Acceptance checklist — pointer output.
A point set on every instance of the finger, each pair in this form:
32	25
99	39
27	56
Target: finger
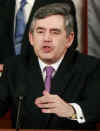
47	105
42	100
46	99
1	67
45	92
52	110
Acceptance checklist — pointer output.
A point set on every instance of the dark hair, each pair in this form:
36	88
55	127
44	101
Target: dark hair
55	9
69	8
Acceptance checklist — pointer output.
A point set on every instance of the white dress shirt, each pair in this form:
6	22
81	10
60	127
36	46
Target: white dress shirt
79	112
43	65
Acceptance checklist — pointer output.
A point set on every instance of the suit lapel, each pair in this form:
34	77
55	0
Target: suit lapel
12	7
36	80
63	75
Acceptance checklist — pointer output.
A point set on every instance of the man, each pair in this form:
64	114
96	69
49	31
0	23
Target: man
70	102
8	14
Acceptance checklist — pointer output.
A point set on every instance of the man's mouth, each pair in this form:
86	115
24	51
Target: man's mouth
47	49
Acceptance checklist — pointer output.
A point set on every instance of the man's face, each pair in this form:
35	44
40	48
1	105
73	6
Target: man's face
49	38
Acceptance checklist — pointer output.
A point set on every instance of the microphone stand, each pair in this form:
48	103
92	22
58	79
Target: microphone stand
19	112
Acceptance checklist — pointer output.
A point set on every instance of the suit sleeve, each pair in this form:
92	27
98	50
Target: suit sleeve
90	104
4	99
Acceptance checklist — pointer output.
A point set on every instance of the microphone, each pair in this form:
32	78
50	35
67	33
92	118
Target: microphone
20	94
19	112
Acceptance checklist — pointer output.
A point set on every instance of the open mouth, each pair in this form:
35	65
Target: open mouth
47	49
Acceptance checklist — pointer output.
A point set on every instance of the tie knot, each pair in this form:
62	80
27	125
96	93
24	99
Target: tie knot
23	2
49	70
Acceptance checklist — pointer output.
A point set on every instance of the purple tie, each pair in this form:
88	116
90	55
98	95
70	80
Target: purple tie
49	70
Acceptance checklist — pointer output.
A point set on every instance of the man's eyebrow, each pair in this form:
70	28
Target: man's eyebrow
52	29
40	28
56	29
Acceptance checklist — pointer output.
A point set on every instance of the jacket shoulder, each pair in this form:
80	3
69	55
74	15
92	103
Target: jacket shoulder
86	62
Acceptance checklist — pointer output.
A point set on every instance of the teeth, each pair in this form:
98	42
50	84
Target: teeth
46	47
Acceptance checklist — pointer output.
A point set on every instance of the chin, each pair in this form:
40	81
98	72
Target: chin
47	60
46	57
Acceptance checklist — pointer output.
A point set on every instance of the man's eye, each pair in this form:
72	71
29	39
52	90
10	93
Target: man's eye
40	31
56	32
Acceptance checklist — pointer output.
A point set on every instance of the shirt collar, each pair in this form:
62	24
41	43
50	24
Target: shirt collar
55	65
31	2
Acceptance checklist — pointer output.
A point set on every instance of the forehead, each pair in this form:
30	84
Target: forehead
54	21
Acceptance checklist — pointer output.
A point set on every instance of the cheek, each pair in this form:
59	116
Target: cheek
62	44
37	48
38	41
61	49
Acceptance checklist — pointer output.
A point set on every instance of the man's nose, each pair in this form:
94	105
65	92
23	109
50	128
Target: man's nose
47	36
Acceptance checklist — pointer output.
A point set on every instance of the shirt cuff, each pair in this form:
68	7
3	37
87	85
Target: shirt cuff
79	113
0	74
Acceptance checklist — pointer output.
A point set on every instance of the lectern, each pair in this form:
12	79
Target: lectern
6	122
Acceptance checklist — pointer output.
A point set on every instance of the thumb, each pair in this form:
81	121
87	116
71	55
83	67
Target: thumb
45	92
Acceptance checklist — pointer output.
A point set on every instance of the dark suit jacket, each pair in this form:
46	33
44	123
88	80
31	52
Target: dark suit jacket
76	81
6	44
7	13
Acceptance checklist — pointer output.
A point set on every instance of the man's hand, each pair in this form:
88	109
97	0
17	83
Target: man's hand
54	104
1	67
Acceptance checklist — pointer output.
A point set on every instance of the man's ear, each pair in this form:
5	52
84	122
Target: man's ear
69	39
31	38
